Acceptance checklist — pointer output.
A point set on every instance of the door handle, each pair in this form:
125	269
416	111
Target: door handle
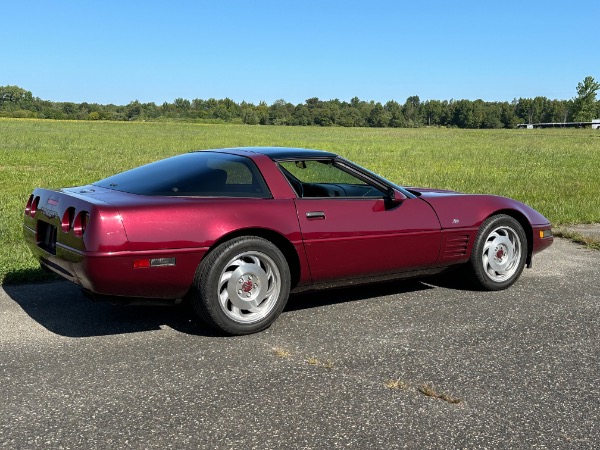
315	215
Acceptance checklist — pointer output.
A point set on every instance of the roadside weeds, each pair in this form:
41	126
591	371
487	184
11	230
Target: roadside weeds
590	242
391	384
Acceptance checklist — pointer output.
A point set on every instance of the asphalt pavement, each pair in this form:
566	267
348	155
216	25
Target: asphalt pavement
412	364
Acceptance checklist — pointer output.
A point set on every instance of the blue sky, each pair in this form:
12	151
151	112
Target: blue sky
156	51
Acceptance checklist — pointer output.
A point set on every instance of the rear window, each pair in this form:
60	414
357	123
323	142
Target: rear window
198	174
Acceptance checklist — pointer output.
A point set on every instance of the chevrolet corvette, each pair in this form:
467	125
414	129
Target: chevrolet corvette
236	230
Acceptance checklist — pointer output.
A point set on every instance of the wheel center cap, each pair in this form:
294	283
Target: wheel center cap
500	253
247	286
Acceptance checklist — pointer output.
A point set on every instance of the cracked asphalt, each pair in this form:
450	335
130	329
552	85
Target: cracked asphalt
524	363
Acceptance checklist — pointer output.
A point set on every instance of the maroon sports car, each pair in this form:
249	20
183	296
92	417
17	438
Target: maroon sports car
234	230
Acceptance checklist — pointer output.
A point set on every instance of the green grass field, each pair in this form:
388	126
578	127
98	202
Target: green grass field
557	171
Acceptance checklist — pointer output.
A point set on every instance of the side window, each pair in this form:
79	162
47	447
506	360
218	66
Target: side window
323	178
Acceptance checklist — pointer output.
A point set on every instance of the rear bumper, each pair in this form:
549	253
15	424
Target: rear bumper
113	273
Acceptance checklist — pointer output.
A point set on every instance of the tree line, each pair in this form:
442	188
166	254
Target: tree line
18	102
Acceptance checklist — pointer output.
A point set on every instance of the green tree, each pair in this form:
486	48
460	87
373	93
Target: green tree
361	111
280	112
524	110
432	111
394	109
301	115
539	110
462	116
70	109
249	115
133	111
477	114
15	96
584	105
182	105
492	116
379	117
262	111
412	111
507	115
558	111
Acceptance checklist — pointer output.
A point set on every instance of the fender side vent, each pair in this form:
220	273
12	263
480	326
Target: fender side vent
455	245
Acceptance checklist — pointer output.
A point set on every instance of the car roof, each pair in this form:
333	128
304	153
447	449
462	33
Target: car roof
281	153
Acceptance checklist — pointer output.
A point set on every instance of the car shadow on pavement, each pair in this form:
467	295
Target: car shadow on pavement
61	308
313	299
453	279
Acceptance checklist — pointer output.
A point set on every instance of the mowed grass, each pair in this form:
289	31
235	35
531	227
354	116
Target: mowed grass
555	171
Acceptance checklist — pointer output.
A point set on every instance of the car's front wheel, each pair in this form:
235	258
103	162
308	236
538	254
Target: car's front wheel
241	286
499	253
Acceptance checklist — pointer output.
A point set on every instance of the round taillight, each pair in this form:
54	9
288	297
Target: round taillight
34	206
67	220
80	223
28	206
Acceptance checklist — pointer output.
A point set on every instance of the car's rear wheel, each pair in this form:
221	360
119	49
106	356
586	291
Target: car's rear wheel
241	286
499	253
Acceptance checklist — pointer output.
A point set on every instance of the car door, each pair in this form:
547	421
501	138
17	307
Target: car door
351	230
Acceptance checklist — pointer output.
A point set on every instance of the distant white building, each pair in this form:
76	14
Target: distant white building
595	123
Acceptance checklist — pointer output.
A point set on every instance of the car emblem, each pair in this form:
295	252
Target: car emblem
455	220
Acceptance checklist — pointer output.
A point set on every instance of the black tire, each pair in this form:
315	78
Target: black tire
241	286
499	253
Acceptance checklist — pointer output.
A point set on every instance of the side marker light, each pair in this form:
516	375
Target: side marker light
154	262
141	263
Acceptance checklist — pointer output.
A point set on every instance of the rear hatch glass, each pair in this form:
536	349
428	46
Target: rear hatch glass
193	174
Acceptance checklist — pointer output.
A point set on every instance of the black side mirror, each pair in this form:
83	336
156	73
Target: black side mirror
394	198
